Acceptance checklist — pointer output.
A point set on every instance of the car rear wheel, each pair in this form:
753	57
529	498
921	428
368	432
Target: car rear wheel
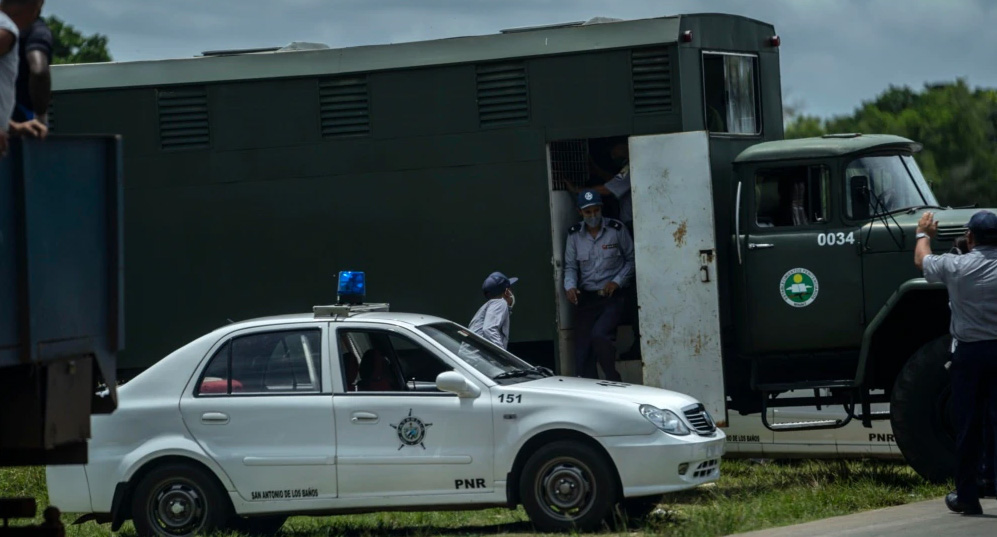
565	486
178	500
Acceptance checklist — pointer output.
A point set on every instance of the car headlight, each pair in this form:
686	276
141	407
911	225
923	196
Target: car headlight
666	420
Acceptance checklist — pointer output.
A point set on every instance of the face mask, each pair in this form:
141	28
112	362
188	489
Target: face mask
512	300
593	221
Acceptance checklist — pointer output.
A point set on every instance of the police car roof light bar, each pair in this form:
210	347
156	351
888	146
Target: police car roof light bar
352	287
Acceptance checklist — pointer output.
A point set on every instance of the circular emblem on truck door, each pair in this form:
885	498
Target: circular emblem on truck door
799	287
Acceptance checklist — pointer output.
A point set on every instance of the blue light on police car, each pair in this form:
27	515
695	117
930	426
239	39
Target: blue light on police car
352	287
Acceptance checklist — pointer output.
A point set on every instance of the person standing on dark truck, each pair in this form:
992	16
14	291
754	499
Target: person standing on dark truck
598	262
34	79
16	16
971	281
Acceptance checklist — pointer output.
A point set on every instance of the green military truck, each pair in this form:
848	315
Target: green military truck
762	265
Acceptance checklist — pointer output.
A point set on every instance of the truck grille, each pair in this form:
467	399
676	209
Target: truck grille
700	419
950	233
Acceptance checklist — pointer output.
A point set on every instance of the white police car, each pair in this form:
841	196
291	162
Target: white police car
350	409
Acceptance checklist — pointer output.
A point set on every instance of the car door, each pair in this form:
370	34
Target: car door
261	407
801	266
397	434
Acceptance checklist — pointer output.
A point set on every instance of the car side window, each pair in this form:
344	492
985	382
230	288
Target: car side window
287	361
792	196
387	362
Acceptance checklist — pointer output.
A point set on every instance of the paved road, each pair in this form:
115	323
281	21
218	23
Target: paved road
922	519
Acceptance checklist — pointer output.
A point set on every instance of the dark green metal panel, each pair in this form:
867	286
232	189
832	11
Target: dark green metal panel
255	115
599	92
423	102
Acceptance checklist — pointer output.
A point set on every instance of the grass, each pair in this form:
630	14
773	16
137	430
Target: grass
749	496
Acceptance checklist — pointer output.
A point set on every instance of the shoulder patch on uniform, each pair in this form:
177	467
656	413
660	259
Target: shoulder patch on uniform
575	228
615	224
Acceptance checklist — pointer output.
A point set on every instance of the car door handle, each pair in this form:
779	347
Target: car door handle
218	418
364	417
760	245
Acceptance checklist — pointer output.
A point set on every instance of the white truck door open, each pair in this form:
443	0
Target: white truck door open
676	266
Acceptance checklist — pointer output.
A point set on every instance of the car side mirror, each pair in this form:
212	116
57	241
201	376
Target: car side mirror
454	382
859	188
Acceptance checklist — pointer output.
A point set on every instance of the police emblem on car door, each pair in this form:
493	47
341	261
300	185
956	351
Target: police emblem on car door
392	421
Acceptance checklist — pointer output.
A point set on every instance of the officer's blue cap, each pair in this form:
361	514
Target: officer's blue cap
588	198
496	283
983	224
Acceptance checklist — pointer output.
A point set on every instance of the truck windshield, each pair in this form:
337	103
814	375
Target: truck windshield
895	183
500	365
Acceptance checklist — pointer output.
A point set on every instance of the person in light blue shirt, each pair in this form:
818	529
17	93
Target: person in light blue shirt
598	262
492	319
971	281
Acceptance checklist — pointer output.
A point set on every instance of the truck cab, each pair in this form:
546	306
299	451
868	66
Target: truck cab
813	292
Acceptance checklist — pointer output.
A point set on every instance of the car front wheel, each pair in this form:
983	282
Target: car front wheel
178	500
566	486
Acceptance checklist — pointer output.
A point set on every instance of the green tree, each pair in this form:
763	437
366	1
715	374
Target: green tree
71	46
956	124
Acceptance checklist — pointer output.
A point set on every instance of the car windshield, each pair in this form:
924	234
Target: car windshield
498	364
895	183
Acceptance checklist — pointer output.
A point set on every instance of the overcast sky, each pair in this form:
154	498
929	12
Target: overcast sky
835	53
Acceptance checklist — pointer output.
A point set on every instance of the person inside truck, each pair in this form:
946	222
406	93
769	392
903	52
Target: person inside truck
618	185
598	262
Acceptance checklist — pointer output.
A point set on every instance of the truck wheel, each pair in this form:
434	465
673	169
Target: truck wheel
921	412
177	500
567	486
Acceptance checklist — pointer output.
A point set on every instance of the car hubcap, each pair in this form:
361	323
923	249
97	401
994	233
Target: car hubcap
565	489
179	508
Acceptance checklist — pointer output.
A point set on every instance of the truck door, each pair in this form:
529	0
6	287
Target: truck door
801	269
676	267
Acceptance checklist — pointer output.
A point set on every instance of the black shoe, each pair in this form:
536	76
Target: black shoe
954	505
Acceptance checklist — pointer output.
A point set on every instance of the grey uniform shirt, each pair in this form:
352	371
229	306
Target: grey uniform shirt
619	185
492	322
590	263
971	280
8	74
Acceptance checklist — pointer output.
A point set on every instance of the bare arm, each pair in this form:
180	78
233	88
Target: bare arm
39	83
922	248
7	41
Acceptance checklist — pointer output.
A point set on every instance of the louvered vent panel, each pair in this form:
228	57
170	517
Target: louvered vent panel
183	118
344	106
651	72
503	94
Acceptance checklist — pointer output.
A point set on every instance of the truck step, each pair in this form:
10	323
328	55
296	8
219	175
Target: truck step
805	425
808	385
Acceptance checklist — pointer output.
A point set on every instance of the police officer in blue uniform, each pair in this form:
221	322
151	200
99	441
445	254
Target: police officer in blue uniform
598	262
971	281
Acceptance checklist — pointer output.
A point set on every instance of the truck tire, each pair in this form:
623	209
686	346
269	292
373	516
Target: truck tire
567	486
920	412
178	500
